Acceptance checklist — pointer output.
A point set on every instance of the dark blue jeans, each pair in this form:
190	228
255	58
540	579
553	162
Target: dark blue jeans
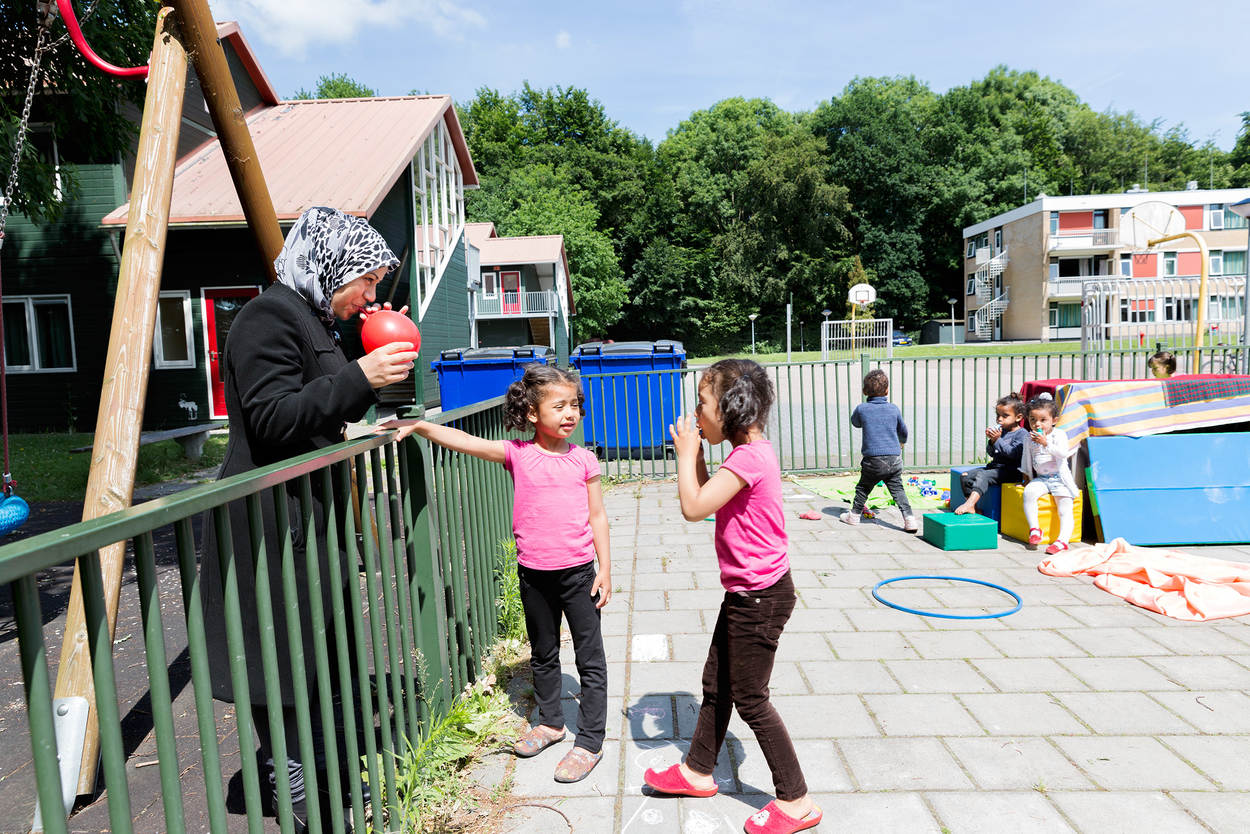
874	469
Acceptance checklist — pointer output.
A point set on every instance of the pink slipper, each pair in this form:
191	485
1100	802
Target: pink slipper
810	516
1057	547
1035	535
670	781
772	820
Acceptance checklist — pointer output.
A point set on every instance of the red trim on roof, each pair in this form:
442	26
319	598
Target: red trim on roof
230	29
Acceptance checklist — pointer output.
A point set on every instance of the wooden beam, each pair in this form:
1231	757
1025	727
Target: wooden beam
195	21
110	482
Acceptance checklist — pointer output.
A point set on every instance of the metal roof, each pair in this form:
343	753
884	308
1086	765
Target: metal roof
534	249
345	153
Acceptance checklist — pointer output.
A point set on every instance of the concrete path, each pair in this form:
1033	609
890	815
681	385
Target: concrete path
1078	713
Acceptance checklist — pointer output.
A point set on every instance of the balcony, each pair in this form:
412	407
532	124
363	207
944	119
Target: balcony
517	303
1067	287
1086	240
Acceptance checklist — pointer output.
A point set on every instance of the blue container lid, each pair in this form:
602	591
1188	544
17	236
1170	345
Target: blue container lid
633	348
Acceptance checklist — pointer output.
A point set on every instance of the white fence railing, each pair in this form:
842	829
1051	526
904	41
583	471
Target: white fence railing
1121	313
851	338
1085	239
517	303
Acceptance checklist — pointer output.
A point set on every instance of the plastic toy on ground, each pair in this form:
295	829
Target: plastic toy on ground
1014	525
960	532
1173	488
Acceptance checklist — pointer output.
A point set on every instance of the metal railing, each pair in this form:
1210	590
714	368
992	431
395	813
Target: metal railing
418	526
947	403
514	303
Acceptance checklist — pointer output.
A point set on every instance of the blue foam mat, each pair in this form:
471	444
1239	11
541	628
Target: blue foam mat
1173	488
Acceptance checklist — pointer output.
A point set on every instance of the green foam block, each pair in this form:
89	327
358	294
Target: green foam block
960	532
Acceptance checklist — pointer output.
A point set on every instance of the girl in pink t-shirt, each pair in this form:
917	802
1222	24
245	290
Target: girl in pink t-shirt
560	526
735	396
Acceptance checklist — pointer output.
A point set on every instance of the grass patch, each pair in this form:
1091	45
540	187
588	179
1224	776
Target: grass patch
46	470
432	778
511	616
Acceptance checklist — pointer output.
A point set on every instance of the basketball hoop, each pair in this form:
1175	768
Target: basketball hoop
861	295
1149	221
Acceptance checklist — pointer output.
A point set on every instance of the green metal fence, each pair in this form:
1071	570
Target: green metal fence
421	528
946	401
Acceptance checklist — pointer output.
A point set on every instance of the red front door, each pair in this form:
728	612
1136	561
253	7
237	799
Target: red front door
511	284
221	305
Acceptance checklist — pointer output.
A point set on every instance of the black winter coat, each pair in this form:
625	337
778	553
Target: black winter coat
289	390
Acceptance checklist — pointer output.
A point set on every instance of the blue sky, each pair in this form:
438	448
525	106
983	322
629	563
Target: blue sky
652	63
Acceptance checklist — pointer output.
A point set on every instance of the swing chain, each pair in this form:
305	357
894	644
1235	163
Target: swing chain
9	484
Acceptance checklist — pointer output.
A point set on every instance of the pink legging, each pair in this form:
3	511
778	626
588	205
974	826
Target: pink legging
1035	491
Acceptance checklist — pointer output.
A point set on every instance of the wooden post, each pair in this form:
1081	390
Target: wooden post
116	447
199	32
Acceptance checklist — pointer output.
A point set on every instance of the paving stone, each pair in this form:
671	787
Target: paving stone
921	715
870	645
1122	713
1114	642
938	676
1131	763
659	754
724	813
1134	812
902	764
883	619
1203	673
829	677
583	813
672	622
948	644
1021	714
650	717
649	601
1196	639
842	578
1102	616
701	600
807	619
1210	712
803	645
1034	643
646	648
883	812
647	815
818	758
836	598
659	581
691	648
569	708
656	678
787	680
805	716
1222	758
992	813
1226	813
1123	673
1000	763
1028	674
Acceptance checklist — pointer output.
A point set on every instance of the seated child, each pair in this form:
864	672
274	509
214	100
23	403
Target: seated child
1005	445
1044	468
1162	365
884	436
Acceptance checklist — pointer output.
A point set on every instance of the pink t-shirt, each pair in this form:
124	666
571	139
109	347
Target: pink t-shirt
751	527
550	504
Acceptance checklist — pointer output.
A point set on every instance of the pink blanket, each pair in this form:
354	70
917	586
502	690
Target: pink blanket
1175	584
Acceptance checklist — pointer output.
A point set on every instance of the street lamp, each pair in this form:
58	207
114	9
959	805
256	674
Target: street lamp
824	328
752	318
1242	209
802	344
952	302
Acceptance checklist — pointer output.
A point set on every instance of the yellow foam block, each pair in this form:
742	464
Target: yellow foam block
1014	525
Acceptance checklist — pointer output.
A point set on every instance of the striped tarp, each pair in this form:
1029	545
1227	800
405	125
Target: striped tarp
1140	407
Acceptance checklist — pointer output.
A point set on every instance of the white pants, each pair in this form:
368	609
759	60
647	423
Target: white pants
1036	490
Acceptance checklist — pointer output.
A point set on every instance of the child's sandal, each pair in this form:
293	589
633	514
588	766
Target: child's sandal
577	764
1057	547
538	739
671	782
772	820
1035	535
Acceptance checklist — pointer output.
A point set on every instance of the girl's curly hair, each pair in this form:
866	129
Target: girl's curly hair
1013	402
527	392
743	391
1044	402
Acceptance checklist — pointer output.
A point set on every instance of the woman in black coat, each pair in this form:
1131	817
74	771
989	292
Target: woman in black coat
289	390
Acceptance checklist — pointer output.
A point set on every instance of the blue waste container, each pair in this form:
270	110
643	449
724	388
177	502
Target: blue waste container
471	375
628	413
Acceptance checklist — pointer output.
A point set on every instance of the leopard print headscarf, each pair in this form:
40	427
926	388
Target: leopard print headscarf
324	250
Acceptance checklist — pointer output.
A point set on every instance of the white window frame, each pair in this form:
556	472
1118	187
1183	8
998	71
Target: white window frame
970	251
159	362
1054	223
1126	266
1170	261
1215	262
998	240
970	326
30	302
1053	314
490	278
1215	217
971	288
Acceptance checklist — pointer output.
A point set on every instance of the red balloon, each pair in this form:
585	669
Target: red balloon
386	326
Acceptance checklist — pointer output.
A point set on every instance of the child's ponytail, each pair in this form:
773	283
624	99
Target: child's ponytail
744	393
526	393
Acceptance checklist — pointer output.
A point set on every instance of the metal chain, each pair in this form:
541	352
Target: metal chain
23	126
52	16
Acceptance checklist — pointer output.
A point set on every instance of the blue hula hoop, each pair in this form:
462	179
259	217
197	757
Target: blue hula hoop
883	601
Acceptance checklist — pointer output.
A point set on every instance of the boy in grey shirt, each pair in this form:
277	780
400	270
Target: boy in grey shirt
882	449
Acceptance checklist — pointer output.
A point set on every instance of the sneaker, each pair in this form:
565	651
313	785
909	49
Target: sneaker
911	524
1035	535
849	517
1057	547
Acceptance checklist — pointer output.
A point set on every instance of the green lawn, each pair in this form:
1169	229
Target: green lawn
45	469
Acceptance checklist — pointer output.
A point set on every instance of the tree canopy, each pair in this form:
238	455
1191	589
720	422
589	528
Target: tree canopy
336	85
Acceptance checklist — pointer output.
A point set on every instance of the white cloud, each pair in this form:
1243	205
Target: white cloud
563	39
294	26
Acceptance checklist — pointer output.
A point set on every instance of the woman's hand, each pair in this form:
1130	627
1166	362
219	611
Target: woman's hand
685	434
603	587
388	364
368	311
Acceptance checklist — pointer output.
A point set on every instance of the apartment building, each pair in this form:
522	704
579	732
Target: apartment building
1024	269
